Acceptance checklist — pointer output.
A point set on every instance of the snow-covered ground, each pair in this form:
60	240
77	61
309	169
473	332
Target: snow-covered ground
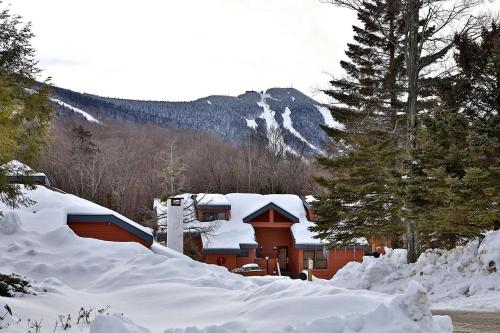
457	279
162	291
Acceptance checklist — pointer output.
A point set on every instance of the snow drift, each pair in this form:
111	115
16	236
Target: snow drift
466	277
168	292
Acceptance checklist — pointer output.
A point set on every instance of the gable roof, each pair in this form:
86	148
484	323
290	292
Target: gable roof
271	205
110	218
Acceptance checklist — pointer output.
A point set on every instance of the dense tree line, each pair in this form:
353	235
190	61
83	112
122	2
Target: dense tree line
125	166
418	157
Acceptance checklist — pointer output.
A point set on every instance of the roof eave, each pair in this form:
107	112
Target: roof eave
105	218
274	206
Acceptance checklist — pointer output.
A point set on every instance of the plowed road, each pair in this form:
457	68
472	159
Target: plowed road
473	322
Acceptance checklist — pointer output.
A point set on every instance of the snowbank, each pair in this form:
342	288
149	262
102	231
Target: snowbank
6	317
457	279
348	315
371	271
9	223
115	324
168	293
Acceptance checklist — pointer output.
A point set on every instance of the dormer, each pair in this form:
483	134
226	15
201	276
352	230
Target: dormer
270	215
212	207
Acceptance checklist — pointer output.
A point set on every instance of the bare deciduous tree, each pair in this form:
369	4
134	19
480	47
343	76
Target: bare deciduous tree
126	166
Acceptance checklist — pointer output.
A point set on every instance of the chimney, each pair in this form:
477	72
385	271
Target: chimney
175	224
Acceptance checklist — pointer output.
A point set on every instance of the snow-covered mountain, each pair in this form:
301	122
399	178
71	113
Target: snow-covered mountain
231	118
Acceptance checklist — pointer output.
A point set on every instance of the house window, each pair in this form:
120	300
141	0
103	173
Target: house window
318	257
213	216
243	253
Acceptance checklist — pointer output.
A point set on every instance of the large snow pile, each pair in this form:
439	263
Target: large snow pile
126	288
466	277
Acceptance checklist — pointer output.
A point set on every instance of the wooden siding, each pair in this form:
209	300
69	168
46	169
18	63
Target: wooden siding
337	258
264	217
230	258
280	218
104	231
271	216
268	238
272	230
263	263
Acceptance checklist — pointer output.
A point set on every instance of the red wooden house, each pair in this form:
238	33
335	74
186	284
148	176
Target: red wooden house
268	230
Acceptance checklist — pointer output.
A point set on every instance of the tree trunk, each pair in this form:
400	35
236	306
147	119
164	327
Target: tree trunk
392	65
412	63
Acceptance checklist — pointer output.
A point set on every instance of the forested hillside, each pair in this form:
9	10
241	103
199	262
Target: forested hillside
231	118
124	166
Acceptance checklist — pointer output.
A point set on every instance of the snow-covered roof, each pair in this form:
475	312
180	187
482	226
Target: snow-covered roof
47	200
244	204
17	168
212	199
235	233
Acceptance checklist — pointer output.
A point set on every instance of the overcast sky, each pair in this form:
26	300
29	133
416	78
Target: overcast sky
186	49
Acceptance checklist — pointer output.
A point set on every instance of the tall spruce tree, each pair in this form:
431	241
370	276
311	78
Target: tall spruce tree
427	40
364	154
459	150
25	112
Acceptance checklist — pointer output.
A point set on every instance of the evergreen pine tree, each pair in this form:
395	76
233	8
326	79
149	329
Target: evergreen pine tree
459	149
363	154
25	112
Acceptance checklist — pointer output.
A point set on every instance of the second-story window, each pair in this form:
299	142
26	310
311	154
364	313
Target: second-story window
213	216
